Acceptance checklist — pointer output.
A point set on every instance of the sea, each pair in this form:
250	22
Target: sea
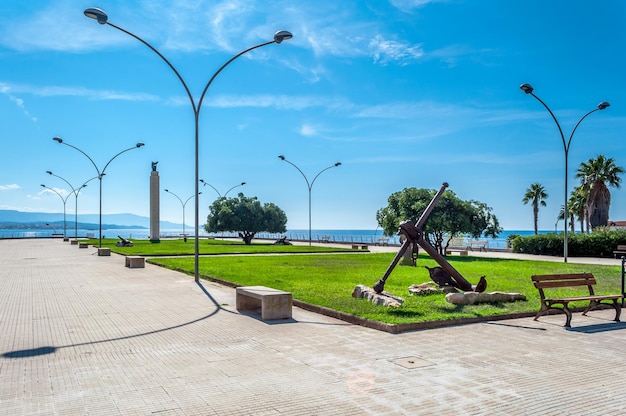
338	236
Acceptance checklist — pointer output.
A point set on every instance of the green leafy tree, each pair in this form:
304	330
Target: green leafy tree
451	217
535	195
245	216
598	174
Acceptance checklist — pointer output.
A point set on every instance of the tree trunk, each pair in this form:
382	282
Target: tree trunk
599	202
247	237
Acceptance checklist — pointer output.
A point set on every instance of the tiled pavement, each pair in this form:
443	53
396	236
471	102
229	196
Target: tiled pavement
84	335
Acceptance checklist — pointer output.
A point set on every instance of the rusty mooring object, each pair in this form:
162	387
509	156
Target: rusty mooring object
413	235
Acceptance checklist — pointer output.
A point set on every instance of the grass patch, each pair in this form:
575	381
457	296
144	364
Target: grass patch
328	281
178	247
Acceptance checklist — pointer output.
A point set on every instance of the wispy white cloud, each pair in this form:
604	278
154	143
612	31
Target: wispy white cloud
59	91
6	91
9	187
385	51
55	191
308	130
410	5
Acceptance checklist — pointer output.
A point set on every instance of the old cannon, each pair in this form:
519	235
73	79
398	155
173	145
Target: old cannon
445	274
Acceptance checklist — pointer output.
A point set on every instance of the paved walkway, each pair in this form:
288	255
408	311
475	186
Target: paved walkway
84	335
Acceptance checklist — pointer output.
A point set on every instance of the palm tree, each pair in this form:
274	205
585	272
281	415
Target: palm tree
596	175
571	217
577	205
536	195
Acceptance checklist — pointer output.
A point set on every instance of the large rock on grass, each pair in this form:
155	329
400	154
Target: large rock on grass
380	299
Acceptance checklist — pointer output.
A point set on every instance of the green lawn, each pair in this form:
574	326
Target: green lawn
177	247
328	280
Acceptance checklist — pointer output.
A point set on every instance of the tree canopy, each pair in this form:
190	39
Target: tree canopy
451	217
246	216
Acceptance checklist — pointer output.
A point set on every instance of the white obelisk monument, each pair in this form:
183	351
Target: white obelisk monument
155	213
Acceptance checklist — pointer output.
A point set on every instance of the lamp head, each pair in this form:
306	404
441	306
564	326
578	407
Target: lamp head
49	172
282	35
140	144
202	180
57	139
43	186
527	88
166	190
98	14
338	164
603	105
243	183
281	157
199	193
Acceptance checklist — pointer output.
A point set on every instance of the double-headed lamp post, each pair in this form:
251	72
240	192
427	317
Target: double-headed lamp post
75	191
309	184
64	201
528	89
183	204
101	173
103	18
204	183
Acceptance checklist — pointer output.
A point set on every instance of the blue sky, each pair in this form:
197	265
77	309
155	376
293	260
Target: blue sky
404	93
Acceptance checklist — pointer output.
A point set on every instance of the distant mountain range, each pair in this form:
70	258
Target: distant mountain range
13	219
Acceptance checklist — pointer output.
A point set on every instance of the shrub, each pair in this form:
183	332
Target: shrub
600	243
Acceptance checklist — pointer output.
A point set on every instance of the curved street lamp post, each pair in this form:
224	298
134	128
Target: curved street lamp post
64	202
102	18
75	191
528	89
309	184
183	204
101	173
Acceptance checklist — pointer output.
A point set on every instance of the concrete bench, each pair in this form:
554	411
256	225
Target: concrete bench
74	242
135	262
364	247
83	245
274	304
462	252
104	251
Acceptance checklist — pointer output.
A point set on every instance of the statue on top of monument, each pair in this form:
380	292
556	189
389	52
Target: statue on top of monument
154	166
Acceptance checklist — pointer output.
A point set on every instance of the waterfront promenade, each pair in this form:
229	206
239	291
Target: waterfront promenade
84	335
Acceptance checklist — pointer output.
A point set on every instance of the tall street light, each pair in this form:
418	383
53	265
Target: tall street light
183	204
75	191
281	35
64	202
218	192
528	89
101	173
309	184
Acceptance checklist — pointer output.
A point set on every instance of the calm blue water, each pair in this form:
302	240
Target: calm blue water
342	236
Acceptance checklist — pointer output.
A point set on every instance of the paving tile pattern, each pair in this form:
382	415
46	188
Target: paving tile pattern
84	335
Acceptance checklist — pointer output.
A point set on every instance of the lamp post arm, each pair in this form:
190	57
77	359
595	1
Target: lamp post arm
577	124
308	184
226	193
565	145
214	188
86	155
187	201
177	197
206	88
193	103
320	172
111	160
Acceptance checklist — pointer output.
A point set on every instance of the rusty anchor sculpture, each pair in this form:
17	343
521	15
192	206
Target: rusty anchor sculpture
446	275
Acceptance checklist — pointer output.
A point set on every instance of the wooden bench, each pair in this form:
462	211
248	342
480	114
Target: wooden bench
461	251
135	262
621	250
480	245
325	239
364	247
274	304
553	281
